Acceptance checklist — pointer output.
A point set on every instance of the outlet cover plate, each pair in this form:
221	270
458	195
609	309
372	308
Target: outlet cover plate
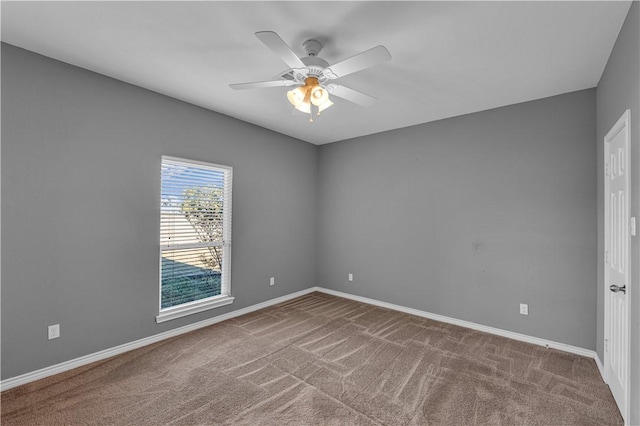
54	331
524	309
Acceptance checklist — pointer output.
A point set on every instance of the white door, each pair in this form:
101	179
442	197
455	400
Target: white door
616	357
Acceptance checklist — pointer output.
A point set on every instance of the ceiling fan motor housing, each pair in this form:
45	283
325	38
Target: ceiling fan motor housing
315	66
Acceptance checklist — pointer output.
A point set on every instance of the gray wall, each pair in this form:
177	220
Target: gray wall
80	208
469	217
618	90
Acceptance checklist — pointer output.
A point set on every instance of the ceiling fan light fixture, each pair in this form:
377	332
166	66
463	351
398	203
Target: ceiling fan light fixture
310	98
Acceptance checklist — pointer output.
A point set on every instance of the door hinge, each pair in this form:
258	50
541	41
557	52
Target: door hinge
606	345
632	226
606	169
606	256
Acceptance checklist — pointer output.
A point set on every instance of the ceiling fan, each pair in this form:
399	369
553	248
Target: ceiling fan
313	76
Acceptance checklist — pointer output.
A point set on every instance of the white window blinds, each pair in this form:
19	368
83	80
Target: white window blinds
195	231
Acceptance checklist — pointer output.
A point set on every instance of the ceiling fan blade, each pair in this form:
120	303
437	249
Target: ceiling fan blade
280	48
352	95
262	84
366	59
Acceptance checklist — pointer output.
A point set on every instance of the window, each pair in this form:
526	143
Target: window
195	237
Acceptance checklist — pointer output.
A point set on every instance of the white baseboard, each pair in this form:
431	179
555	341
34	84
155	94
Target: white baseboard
468	324
98	356
599	364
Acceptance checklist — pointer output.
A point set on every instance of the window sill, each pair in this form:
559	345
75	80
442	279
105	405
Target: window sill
193	308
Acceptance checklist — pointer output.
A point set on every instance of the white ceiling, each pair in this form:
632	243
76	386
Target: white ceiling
448	58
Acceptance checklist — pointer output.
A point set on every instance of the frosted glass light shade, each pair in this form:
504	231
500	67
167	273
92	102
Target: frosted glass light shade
296	96
319	96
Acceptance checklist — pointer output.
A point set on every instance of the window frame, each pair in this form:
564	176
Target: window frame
224	298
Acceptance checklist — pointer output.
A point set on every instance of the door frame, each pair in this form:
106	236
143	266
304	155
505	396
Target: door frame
623	124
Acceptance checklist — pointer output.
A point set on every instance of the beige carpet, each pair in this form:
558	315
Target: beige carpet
324	360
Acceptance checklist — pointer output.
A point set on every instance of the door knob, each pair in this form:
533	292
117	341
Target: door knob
614	288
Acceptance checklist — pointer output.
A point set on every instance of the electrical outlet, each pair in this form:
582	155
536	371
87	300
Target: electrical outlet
54	331
350	277
524	309
272	281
